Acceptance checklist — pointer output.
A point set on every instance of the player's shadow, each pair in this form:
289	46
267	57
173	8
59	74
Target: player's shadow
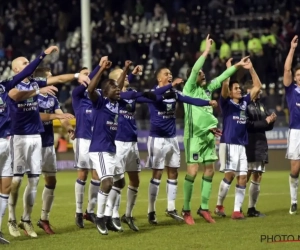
277	212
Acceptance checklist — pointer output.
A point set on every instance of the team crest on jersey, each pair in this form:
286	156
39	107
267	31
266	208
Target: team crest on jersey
19	169
195	157
207	92
51	102
2	89
29	99
35	86
169	106
243	105
129	107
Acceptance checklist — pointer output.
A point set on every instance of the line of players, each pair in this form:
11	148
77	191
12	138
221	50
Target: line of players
114	151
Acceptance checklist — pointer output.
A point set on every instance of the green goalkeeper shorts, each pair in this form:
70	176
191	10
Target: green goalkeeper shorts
200	149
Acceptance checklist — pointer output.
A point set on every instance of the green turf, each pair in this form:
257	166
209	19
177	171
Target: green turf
225	234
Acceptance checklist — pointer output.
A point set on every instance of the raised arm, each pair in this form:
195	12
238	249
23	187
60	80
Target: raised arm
83	79
123	75
45	117
93	94
163	89
256	82
225	90
31	67
191	83
288	75
19	95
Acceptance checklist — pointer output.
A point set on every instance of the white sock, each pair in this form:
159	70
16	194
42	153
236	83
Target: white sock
171	193
93	193
115	213
29	197
3	206
254	190
79	193
294	181
13	197
239	197
131	198
152	194
223	190
113	194
47	198
102	199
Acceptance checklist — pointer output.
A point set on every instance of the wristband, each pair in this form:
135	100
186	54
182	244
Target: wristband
76	75
37	91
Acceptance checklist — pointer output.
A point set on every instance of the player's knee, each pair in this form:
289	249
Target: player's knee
16	183
172	173
295	167
33	180
119	181
256	176
50	180
157	174
134	179
82	174
106	184
242	179
209	170
229	176
192	169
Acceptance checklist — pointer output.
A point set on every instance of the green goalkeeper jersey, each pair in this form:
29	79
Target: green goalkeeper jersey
198	120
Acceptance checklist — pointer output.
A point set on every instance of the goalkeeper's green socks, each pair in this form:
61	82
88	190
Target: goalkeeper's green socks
188	187
206	187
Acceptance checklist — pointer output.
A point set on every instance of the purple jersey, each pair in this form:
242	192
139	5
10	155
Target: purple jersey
105	125
83	107
162	118
4	114
25	117
234	120
292	94
48	104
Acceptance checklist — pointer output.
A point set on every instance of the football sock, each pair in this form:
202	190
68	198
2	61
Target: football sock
131	199
171	193
294	181
13	197
79	193
3	206
206	191
223	190
152	194
93	193
239	197
188	187
114	192
254	190
47	199
102	199
29	196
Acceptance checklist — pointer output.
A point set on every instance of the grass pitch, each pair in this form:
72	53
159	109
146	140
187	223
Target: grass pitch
225	234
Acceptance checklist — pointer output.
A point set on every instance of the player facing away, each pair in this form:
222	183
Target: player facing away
163	148
258	122
82	106
292	93
232	151
26	128
199	135
49	109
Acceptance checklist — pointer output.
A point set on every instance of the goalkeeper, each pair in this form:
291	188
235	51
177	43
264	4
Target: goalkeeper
200	129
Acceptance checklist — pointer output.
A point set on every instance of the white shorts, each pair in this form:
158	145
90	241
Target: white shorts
127	156
27	154
256	166
163	152
104	163
233	159
81	149
49	165
6	166
293	145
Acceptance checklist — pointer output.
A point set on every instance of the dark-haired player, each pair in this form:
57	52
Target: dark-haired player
232	150
26	128
163	148
199	135
258	122
82	106
292	93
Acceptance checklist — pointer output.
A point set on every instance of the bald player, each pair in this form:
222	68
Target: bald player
26	128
